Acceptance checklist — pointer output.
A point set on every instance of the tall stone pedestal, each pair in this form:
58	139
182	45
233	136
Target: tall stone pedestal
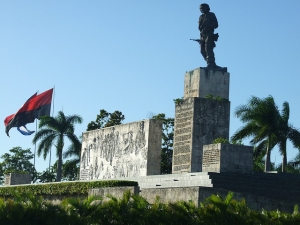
200	120
202	82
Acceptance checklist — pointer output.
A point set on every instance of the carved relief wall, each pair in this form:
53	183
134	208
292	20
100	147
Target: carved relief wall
127	150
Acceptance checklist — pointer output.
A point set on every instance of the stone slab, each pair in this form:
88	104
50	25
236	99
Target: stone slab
127	150
201	82
14	179
227	158
198	121
114	191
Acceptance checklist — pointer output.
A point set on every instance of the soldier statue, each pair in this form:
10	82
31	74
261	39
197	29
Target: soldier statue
207	25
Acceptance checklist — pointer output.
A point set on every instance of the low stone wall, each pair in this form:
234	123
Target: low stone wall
197	195
173	194
114	191
57	199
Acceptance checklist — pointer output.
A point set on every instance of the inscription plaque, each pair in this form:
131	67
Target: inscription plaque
198	121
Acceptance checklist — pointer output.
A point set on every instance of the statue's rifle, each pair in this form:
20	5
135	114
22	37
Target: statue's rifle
198	40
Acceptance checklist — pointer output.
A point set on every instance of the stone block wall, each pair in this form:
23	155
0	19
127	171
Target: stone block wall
117	192
14	179
227	158
202	116
198	121
127	150
202	82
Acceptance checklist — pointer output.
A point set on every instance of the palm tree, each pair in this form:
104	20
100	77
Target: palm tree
287	132
268	127
74	150
262	121
53	131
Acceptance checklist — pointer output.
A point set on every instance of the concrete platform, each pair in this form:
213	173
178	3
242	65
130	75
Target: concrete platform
267	190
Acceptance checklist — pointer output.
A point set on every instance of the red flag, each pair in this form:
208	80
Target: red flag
35	107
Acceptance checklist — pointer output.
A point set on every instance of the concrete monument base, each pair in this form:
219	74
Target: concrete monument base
201	82
227	158
198	121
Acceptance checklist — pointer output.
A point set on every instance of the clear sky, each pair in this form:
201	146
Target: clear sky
132	55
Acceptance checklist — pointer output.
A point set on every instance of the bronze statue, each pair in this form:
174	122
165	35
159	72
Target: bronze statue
207	25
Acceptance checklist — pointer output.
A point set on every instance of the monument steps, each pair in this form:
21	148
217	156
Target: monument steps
275	186
267	181
290	196
253	188
175	180
283	187
257	183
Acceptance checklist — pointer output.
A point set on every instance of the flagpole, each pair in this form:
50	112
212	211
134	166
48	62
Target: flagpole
35	144
53	100
52	116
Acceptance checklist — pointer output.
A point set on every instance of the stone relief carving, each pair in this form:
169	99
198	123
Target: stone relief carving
119	151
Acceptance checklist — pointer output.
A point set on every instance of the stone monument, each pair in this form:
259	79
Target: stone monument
206	25
15	179
202	116
227	158
127	150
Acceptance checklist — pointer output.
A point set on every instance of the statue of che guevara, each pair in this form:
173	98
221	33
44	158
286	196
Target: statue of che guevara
207	25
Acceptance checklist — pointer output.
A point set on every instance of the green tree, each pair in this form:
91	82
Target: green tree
53	132
167	142
17	161
287	132
106	119
71	166
293	166
268	126
47	176
70	172
221	140
262	122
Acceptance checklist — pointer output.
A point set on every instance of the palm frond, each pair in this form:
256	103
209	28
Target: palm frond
285	112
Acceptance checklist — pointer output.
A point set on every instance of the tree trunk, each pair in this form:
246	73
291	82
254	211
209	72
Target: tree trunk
59	166
284	158
268	158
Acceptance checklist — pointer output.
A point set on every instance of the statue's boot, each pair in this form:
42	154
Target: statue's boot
212	65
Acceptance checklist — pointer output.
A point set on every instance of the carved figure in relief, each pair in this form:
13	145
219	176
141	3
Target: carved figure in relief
128	142
97	172
140	138
107	174
91	172
83	159
110	153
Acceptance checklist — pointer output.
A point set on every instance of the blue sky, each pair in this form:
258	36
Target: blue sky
131	56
